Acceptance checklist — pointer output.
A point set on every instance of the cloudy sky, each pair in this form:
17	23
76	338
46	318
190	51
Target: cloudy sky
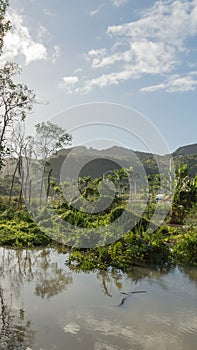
142	54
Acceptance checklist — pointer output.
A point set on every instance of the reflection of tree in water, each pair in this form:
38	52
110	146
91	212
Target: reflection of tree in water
134	275
152	275
191	272
52	279
108	278
15	330
16	268
33	265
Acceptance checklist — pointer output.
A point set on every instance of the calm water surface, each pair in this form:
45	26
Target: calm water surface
45	305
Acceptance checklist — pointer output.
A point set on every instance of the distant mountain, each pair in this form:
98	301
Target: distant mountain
187	155
89	161
186	150
92	162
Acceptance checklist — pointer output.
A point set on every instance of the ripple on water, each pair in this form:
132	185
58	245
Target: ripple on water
188	324
72	328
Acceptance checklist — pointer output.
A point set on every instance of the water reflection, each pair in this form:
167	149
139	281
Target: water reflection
114	277
18	269
15	328
109	330
45	305
135	275
22	266
191	272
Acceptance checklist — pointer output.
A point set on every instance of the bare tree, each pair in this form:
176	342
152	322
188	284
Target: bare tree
49	139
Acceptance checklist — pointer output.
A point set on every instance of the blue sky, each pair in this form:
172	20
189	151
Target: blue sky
141	54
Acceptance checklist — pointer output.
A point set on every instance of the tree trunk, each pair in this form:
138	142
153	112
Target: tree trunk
48	183
12	184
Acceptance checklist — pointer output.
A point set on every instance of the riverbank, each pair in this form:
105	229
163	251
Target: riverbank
164	247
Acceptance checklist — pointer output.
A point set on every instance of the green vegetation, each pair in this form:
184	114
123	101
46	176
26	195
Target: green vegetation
133	249
185	248
17	229
168	244
163	248
30	174
185	195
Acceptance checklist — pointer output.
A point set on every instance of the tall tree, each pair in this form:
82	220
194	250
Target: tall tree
49	139
17	149
16	101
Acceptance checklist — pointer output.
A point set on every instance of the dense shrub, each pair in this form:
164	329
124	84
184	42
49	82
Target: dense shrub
185	249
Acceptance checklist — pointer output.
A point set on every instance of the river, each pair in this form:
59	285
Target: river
45	305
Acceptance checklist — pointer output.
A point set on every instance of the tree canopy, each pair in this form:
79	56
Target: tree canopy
16	100
4	24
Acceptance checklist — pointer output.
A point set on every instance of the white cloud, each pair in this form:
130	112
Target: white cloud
168	21
155	44
145	56
103	81
153	88
19	42
118	3
42	32
48	13
95	56
56	53
69	83
33	52
94	12
78	70
70	80
175	83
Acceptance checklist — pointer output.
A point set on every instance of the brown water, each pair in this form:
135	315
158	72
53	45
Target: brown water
44	305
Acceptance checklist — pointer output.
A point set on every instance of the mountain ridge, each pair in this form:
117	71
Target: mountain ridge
124	157
96	160
186	150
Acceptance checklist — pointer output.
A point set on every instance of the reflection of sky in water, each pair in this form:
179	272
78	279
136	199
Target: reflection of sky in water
154	332
75	310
